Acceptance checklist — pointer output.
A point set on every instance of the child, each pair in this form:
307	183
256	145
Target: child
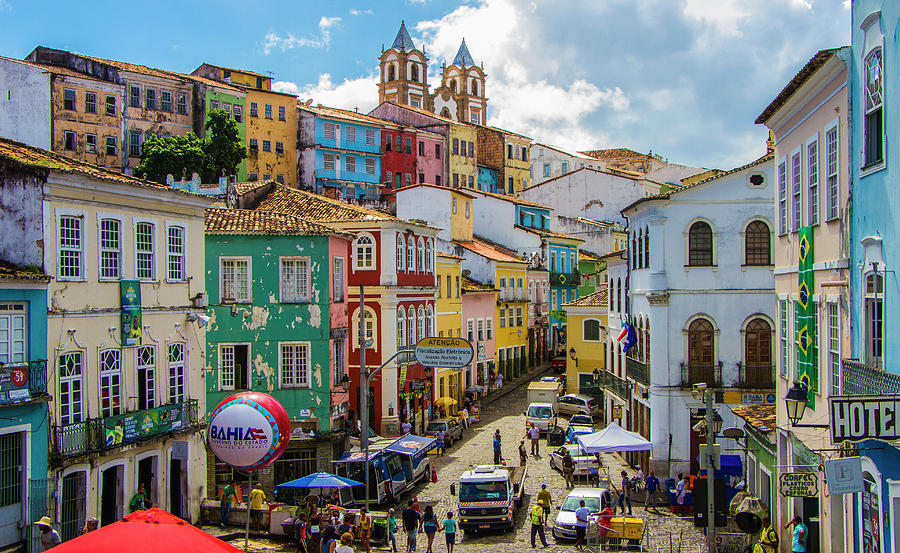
449	528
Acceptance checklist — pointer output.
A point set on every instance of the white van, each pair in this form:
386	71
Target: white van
543	415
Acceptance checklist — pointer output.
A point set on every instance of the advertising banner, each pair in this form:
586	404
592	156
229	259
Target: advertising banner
14	384
807	337
130	301
123	429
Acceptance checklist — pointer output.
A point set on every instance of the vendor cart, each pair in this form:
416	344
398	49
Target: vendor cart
615	534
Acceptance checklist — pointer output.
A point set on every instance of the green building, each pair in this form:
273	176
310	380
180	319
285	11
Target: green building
593	273
278	323
760	470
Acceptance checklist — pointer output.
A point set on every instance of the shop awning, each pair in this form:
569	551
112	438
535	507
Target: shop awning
357	456
731	465
417	446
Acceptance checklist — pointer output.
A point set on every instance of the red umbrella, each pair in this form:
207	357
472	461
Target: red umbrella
149	531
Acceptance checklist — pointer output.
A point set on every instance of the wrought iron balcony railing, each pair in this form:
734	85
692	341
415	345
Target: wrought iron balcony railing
861	379
612	383
638	371
565	279
756	376
509	295
708	373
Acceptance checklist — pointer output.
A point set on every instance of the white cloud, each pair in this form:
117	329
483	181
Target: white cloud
274	41
354	11
361	93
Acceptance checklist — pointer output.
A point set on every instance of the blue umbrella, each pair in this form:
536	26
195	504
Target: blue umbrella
321	480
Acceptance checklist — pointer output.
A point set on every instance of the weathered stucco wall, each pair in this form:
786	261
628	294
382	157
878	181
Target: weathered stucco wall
25	108
21	226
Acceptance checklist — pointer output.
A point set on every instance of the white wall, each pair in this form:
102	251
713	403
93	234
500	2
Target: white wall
428	204
495	219
542	154
25	103
588	193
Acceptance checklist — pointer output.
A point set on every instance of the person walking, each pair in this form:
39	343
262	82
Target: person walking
449	528
544	495
329	536
768	537
537	523
651	487
499	380
535	434
406	427
429	525
801	532
582	517
257	498
314	534
365	529
680	489
411	523
392	530
439	436
49	537
568	466
625	493
523	455
228	494
497	457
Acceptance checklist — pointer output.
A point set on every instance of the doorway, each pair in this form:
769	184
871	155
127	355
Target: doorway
111	498
72	505
146	476
812	518
241	367
177	487
12	486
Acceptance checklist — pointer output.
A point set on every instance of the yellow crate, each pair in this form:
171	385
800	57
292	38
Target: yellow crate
626	528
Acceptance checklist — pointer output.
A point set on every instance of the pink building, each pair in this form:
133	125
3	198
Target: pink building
538	296
478	304
430	158
339	254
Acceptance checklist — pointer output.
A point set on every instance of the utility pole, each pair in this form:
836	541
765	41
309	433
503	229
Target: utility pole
364	395
710	473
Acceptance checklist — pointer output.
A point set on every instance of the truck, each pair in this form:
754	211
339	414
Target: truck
543	392
489	496
543	405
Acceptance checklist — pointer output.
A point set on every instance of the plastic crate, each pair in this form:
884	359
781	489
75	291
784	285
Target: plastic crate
626	528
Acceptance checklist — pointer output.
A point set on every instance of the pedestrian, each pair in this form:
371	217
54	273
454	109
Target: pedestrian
582	517
544	495
491	379
537	523
798	544
651	486
301	527
429	525
406	427
314	534
679	489
89	526
497	457
257	498
411	523
365	529
535	434
139	500
392	530
568	466
346	543
768	537
499	380
49	537
329	536
639	474
625	493
439	436
449	528
605	523
523	455
346	525
228	494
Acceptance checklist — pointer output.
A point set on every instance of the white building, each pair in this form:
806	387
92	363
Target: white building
701	296
549	161
25	108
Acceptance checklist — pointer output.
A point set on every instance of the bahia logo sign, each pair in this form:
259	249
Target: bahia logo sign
248	430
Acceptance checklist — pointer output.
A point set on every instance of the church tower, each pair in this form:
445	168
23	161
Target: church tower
403	73
461	95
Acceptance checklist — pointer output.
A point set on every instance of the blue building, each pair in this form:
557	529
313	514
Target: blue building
875	258
340	152
24	438
487	179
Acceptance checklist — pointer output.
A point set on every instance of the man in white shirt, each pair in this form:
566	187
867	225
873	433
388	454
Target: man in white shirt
406	427
535	434
499	380
582	517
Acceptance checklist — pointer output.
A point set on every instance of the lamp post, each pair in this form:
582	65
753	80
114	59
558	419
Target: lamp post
795	402
713	427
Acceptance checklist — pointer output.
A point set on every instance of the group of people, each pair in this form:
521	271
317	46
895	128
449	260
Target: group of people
416	522
321	531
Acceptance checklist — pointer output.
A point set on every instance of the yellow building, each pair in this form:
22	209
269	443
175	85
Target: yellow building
587	324
271	124
507	153
448	306
462	170
512	317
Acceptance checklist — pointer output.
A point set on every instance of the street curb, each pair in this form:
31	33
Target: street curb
521	381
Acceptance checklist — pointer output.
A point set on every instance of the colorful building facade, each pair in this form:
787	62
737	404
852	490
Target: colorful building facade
507	153
448	308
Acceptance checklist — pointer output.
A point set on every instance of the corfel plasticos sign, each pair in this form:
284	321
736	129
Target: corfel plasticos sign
248	430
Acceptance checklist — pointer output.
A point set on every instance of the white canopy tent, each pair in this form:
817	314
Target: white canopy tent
613	438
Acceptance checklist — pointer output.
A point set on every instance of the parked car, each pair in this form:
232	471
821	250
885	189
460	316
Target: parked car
595	499
575	431
559	364
574	404
549	379
451	427
585	463
581	420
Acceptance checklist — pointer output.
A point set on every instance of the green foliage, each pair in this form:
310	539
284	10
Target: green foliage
221	149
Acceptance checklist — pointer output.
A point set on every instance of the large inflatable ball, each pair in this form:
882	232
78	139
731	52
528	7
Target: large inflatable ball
248	430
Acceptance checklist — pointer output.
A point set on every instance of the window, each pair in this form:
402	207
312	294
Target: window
338	277
110	382
489	328
111	145
69	99
146	377
350	164
701	354
135	96
511	185
12	333
759	352
110	249
565	167
429	257
646	249
546	169
267	177
833	324
457	287
350	133
370	137
783	336
510	317
874	319
281	113
234	275
175	258
70	139
411	326
480	329
71	400
90	102
279	147
471	181
502	317
150	98
134	143
509	151
873	126
782	198
145	263
410	254
165	101
110	106
401	327
420	257
370	165
519	320
468	209
831	173
181	107
254	145
421	148
470	330
328	162
590	330
340	369
365	252
401	252
233	365
90	143
253	177
408	145
293	365
757	244
398	144
795	192
387	143
71	248
294	280
812	179
176	372
700	245
455	146
268	108
267	145
254	112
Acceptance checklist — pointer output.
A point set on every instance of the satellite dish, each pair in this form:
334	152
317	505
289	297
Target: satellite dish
733	433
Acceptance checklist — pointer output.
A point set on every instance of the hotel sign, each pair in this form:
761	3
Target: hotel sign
857	418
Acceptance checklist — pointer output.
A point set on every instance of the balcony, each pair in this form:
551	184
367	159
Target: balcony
111	432
612	383
757	377
710	373
637	371
23	381
861	379
509	295
565	279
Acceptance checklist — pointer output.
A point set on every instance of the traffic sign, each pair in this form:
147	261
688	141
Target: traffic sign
449	353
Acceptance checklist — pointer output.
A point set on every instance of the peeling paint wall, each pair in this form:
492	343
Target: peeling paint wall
21	227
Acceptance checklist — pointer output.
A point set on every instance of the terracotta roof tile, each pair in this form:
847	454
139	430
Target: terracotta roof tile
460	191
135	68
423	112
326	111
511	199
489	250
614	154
321	209
544	233
245	221
242	188
448	255
760	416
469	285
600	298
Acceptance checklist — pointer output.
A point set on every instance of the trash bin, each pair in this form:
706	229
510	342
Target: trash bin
556	436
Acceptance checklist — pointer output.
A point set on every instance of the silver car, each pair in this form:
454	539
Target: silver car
595	499
574	404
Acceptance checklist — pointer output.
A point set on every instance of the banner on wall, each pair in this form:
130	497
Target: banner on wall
130	303
123	429
808	326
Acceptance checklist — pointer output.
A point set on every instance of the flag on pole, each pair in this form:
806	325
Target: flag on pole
622	334
628	336
808	354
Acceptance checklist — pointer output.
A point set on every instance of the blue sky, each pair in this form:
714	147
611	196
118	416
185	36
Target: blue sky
683	78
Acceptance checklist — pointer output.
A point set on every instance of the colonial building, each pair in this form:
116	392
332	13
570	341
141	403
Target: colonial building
26	114
479	304
507	153
585	359
548	162
448	308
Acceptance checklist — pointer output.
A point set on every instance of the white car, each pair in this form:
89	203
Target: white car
581	420
595	499
585	463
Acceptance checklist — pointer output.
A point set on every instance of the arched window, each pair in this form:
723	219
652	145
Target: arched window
401	327
474	87
640	250
874	318
619	295
700	245
391	74
647	341
590	330
633	256
429	321
758	353
411	254
701	352
420	324
453	85
401	253
605	356
369	328
414	73
411	327
421	256
429	256
757	244
646	247
364	248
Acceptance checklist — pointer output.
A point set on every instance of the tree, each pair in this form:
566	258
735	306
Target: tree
223	146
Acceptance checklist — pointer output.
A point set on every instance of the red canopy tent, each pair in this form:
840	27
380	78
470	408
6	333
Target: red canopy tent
149	531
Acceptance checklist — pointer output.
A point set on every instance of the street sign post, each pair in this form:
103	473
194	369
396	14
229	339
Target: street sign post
450	353
799	484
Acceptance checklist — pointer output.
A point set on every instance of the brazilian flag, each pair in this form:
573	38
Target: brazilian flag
807	349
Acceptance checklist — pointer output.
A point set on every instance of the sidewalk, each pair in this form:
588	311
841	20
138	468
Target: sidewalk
513	385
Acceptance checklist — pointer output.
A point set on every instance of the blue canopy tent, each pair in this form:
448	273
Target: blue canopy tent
409	444
320	480
731	465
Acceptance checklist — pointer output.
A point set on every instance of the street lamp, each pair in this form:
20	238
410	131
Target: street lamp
345	383
795	401
717	423
573	355
596	374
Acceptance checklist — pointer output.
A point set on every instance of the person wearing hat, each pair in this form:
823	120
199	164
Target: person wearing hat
537	523
544	495
49	537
